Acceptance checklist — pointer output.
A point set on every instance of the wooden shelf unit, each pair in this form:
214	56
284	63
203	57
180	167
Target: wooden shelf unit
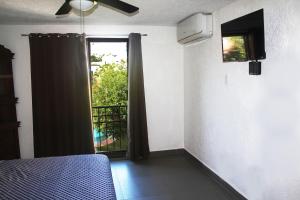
3	76
9	136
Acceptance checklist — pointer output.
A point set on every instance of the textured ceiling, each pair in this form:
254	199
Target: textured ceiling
152	12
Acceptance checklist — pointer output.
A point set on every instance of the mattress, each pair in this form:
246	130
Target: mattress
68	177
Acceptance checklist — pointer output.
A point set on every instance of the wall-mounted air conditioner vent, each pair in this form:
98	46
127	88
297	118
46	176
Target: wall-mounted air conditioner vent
195	28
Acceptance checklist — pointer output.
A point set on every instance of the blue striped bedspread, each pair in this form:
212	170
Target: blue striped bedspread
68	177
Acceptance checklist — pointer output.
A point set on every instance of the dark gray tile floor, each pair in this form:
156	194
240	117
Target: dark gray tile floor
165	178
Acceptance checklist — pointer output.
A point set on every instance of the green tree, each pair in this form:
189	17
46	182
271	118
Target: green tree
109	86
96	58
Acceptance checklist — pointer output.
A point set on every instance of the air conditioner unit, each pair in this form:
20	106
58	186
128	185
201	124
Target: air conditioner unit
195	28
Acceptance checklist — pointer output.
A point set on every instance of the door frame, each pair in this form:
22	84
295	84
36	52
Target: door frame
112	154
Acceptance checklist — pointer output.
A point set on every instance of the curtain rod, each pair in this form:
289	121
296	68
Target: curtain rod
107	35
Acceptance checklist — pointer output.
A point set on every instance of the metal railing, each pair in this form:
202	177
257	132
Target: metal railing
110	128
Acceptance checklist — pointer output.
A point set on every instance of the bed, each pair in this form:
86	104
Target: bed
68	177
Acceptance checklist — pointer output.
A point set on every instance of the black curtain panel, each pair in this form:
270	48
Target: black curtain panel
60	95
138	147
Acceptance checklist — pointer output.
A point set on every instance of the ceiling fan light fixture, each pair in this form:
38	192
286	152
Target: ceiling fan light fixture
83	5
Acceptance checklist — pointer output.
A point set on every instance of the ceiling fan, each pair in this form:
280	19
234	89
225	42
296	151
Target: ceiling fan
85	5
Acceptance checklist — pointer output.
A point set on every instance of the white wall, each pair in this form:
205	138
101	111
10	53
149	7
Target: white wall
246	128
163	71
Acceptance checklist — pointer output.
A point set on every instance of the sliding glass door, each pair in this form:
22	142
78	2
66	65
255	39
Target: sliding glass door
109	88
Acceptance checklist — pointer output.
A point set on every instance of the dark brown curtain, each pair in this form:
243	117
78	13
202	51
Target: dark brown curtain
138	147
60	95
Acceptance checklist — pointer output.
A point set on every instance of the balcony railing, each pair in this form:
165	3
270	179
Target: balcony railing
110	129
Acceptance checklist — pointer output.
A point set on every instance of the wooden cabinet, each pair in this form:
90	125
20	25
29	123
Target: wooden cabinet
9	139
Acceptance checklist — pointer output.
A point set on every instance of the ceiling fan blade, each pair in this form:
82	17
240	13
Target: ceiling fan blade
120	5
64	9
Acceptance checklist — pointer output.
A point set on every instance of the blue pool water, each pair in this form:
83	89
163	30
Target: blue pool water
98	136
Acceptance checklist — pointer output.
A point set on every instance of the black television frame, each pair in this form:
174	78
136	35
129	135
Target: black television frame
247	26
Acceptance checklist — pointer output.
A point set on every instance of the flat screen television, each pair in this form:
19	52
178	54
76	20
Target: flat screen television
243	39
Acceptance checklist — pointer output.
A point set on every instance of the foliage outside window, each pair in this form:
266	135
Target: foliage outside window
109	88
109	82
